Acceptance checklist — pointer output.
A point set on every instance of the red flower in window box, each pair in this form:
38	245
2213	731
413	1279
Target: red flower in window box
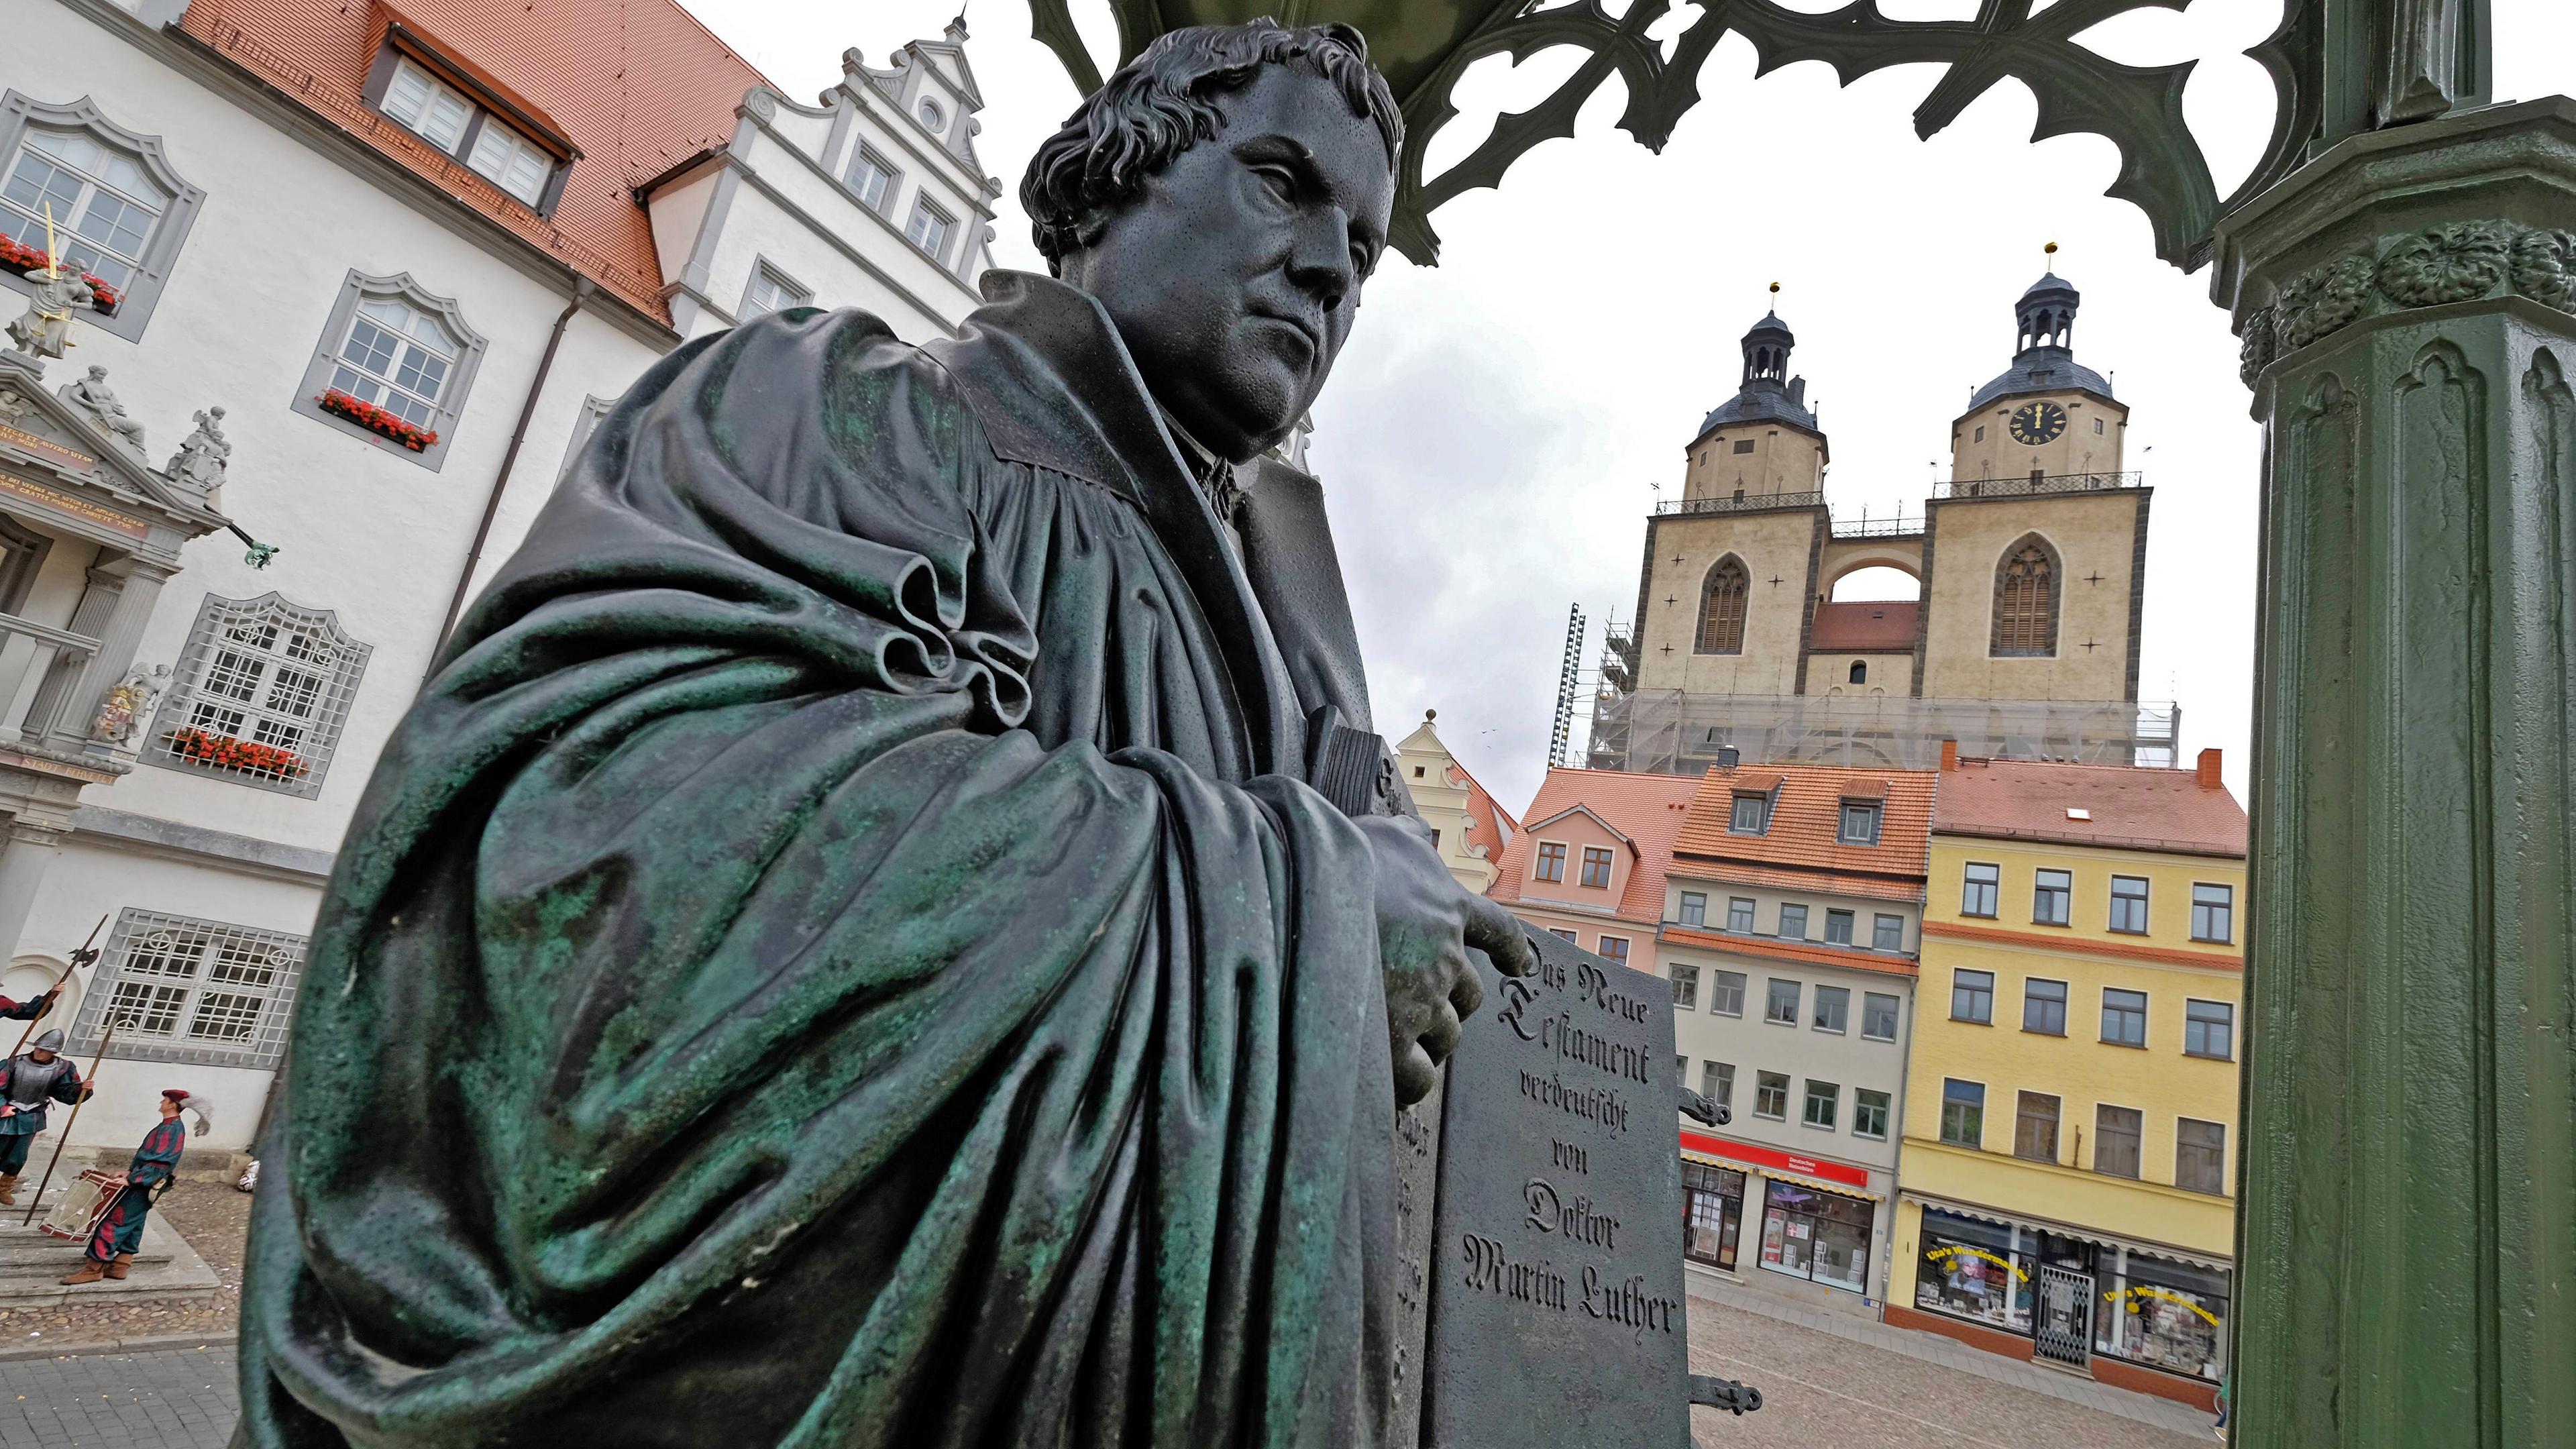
26	261
235	754
378	421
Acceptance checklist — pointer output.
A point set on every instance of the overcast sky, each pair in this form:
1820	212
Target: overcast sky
1491	438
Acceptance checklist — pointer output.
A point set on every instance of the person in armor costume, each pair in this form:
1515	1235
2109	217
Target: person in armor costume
29	1083
156	1162
31	1008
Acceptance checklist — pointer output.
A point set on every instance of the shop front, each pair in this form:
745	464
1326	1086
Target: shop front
1806	1218
2084	1301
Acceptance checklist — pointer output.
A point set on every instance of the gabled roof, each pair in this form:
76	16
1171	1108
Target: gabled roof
1578	808
1646	809
2130	808
1806	817
635	86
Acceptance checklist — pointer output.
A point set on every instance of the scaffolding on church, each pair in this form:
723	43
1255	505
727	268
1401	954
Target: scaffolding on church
1670	732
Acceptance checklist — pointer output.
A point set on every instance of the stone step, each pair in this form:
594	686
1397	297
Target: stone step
165	1269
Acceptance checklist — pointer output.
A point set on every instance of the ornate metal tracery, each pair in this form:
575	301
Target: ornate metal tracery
1427	48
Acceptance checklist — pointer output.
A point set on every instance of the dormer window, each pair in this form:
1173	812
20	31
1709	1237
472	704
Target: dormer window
1596	867
1860	823
1751	815
443	116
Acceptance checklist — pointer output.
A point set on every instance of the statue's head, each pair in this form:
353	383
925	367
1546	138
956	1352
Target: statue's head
97	373
1224	196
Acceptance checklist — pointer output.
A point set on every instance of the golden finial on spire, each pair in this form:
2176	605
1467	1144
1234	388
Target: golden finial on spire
2050	249
1775	289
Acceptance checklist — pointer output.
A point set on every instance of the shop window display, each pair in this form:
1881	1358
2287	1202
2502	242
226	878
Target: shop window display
2166	1314
1971	1270
1715	1207
1819	1235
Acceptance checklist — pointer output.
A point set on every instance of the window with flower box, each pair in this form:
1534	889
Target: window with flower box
178	989
260	695
394	366
117	205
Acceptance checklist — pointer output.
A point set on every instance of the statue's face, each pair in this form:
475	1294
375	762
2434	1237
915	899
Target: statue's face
1233	277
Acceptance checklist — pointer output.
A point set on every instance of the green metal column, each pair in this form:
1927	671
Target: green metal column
2407	1243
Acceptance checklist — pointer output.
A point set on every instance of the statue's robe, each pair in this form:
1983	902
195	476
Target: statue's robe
845	951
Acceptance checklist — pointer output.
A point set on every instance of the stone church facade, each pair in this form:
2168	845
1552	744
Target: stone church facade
2031	563
395	265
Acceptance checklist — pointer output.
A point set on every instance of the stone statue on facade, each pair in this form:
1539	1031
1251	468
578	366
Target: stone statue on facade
202	456
889	922
54	299
129	703
99	405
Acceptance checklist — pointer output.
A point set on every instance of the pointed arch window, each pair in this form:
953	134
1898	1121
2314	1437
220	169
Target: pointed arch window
2026	602
1721	607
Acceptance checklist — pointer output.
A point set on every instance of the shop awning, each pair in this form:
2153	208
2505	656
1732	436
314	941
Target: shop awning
2002	1218
1820	1185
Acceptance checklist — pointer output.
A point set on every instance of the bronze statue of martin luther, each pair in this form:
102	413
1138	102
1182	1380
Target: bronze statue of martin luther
888	926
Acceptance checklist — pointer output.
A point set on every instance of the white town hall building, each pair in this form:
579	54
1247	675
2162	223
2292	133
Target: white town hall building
414	251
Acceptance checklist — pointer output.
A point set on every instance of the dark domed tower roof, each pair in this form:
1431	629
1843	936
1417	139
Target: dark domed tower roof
1768	393
2045	357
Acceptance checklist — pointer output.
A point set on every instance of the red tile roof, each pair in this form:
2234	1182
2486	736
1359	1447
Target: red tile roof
1648	809
636	86
2135	809
1870	627
1806	816
1489	824
1816	953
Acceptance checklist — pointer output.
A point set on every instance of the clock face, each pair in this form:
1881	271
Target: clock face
2038	423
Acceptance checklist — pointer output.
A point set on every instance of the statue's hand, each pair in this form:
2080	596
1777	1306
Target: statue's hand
1426	922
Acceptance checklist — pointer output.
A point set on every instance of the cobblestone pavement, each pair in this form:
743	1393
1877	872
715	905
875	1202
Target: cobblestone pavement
212	1217
182	1399
1819	1389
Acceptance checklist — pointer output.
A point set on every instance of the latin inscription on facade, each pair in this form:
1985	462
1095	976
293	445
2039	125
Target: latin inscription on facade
1556	1283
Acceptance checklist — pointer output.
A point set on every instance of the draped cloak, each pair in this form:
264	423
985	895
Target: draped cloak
844	950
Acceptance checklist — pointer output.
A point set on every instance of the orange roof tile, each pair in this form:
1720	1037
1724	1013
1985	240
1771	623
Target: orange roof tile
1806	816
2134	809
1813	952
1648	809
1868	627
1489	824
635	85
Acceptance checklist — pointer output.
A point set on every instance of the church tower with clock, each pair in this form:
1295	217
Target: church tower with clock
2029	564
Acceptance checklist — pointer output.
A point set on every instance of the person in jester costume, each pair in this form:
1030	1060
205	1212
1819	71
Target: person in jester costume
111	1247
29	1083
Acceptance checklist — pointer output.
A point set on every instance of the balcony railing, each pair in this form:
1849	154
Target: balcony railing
2038	483
29	650
1876	527
1741	503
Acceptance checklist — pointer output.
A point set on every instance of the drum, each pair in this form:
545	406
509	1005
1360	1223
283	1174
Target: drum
84	1201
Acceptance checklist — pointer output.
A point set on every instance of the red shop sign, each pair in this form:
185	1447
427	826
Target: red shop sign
1772	1157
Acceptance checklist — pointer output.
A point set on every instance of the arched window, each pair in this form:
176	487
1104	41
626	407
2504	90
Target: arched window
1721	607
116	205
2026	602
1860	672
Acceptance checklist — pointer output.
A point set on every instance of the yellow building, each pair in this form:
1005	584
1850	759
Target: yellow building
2067	1172
1468	826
